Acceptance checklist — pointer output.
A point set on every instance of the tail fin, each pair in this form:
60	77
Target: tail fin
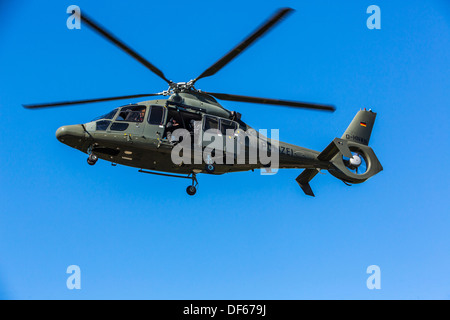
360	128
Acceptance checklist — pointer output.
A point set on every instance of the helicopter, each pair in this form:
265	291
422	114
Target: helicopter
140	135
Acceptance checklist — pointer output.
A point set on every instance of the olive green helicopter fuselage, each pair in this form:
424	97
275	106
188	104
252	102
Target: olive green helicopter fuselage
143	143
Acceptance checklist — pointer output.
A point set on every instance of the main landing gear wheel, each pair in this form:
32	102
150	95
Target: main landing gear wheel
191	190
210	168
92	159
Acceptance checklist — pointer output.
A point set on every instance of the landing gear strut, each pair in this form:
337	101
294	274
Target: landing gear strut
191	190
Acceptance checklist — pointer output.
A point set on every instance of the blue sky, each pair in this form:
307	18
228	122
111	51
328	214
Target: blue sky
243	236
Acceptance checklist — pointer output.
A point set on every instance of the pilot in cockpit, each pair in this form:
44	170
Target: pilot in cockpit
141	115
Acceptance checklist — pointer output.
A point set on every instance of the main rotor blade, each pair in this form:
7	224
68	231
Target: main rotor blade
246	43
67	103
277	102
102	31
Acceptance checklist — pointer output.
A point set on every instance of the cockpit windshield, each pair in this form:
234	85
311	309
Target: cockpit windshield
132	114
109	115
128	113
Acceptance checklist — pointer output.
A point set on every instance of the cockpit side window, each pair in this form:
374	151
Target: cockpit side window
132	114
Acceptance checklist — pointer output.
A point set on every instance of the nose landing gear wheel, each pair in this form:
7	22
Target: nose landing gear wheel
92	159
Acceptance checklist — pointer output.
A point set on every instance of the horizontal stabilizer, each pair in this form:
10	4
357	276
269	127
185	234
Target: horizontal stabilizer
304	178
333	149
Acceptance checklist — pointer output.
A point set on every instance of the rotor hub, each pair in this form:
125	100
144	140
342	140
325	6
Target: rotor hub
177	87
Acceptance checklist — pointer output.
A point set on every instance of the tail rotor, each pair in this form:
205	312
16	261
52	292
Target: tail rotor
357	164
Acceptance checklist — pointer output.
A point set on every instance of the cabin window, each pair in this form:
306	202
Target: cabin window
211	123
227	125
156	115
132	114
102	125
119	126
